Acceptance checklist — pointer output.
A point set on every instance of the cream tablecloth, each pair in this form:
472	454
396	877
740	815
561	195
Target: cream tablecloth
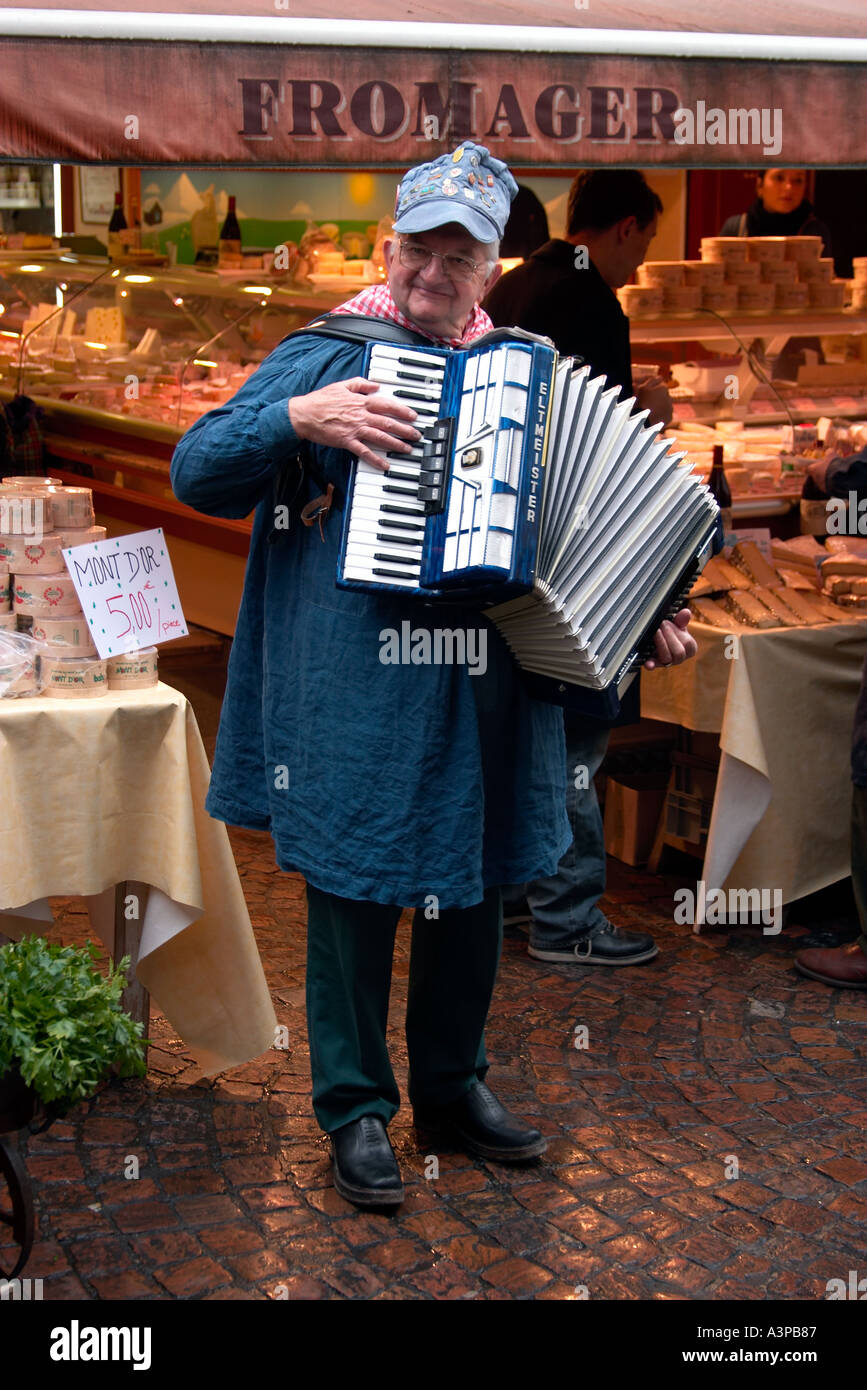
97	792
783	707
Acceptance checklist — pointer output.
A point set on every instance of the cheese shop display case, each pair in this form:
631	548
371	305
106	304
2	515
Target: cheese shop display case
120	361
763	311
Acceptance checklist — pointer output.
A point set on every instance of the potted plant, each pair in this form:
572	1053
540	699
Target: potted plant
62	1028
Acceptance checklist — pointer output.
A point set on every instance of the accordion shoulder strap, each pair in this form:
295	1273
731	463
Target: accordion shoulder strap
360	328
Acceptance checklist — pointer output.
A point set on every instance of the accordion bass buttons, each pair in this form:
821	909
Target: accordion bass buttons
436	453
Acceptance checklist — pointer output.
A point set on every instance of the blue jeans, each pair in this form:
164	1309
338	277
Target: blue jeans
565	906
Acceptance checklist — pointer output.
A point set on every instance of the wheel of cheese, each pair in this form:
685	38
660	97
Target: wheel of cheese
803	248
29	556
660	273
791	296
707	274
743	273
779	272
756	296
63	636
71	508
723	248
826	296
766	249
29	484
681	299
46	595
639	300
816	272
723	298
133	670
25	513
859	299
84	537
76	677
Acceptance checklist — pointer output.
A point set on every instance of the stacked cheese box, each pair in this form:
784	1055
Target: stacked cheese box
738	274
39	518
739	589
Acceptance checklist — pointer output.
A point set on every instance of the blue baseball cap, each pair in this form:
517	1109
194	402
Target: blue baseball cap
469	186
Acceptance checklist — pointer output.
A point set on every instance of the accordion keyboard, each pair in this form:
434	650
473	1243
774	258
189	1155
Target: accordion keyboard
484	399
387	525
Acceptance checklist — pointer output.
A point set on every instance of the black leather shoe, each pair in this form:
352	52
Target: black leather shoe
484	1126
605	945
365	1168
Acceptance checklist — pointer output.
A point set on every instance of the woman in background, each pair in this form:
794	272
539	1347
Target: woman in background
782	208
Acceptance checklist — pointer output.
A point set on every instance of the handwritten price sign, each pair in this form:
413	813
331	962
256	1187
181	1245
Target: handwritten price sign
127	591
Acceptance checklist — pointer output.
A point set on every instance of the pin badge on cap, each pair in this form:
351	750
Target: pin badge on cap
428	194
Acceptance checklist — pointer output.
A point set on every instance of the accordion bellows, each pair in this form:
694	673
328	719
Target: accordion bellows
537	491
624	525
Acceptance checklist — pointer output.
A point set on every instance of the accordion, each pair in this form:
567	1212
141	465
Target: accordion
536	492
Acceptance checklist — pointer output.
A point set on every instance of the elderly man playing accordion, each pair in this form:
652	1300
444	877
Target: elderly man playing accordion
385	785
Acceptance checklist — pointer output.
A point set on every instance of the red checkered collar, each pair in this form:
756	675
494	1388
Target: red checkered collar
378	301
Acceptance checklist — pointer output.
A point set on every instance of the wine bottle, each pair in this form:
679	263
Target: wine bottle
116	243
719	487
814	509
230	238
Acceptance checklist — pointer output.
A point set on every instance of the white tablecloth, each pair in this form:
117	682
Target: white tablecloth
783	706
111	789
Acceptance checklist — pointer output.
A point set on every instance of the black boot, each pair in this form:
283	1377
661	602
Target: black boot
365	1168
484	1126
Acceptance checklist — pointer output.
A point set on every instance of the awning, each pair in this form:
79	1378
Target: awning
231	87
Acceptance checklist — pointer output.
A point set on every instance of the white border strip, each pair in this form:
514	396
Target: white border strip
334	33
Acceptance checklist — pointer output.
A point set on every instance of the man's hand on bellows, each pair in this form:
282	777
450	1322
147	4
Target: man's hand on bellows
350	415
673	643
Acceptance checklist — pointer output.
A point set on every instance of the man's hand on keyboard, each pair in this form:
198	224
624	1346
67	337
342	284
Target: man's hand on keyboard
673	642
351	415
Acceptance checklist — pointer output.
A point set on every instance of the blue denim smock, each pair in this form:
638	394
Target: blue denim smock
382	782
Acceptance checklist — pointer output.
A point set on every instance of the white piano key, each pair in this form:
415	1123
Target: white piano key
364	572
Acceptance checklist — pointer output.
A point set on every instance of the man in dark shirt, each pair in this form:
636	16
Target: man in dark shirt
565	291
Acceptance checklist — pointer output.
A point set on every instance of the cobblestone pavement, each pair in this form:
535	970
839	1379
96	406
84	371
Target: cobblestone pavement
713	1060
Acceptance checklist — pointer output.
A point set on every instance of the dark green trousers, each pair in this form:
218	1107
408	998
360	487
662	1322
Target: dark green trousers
859	857
453	965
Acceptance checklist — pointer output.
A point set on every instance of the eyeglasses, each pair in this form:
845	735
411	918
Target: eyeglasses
416	257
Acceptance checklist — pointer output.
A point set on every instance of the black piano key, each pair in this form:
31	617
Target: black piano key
403	491
421	362
398	511
402	477
395	559
416	454
391	574
404	540
429	380
403	525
